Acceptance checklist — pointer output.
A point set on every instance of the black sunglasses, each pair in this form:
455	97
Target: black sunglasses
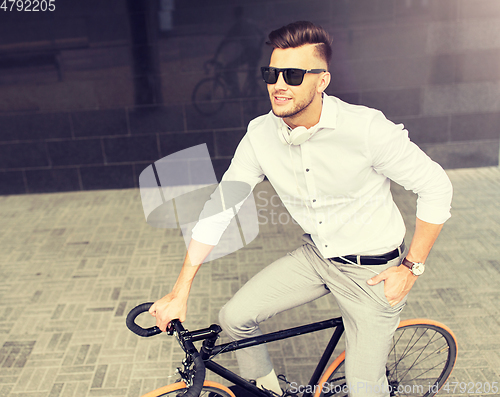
291	76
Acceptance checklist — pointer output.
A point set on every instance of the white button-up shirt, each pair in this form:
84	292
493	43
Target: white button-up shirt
336	185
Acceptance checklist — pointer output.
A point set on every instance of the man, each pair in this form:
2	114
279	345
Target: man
331	163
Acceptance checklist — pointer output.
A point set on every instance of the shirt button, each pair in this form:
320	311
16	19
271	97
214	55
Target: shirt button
314	200
320	222
307	169
326	245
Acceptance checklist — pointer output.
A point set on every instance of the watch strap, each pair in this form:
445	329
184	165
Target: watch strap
415	267
408	264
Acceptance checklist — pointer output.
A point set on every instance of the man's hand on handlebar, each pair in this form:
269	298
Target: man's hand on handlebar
194	366
174	305
168	308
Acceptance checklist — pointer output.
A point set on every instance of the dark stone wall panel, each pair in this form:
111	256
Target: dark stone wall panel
479	66
465	154
227	141
106	28
471	127
156	119
108	177
100	123
220	167
378	74
254	108
53	180
23	155
426	129
349	97
478	9
75	152
360	13
230	116
131	149
443	69
33	127
386	41
12	182
171	143
312	10
421	11
394	103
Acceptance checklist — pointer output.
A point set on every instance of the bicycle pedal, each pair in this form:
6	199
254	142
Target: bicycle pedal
286	392
274	394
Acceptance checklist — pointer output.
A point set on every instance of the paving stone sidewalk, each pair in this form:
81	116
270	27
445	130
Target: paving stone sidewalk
73	264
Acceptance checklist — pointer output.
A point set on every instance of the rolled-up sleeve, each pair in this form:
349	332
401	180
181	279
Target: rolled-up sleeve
399	159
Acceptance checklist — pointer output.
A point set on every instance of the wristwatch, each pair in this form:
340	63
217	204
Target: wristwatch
416	268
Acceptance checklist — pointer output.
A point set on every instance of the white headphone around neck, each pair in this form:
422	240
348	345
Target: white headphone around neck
297	136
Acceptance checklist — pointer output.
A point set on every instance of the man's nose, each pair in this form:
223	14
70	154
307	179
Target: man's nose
280	83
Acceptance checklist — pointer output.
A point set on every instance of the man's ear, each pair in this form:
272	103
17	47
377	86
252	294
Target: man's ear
324	82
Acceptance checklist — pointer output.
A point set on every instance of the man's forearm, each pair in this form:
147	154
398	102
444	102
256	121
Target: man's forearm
197	253
398	280
423	240
174	304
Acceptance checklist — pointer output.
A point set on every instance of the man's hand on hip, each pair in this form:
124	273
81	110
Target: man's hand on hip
398	281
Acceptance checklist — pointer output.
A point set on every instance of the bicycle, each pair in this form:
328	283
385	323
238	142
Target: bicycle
420	361
211	93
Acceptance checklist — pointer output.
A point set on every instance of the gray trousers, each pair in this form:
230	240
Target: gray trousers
301	277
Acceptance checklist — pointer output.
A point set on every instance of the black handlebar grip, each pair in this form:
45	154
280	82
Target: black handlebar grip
136	329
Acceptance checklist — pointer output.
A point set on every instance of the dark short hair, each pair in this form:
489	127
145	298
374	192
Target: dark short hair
300	33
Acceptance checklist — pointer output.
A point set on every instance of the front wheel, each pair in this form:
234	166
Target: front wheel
209	95
210	389
421	359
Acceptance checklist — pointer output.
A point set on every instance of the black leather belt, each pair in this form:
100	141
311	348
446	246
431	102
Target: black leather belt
372	259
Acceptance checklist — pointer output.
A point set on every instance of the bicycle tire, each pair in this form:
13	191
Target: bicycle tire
417	364
210	389
209	96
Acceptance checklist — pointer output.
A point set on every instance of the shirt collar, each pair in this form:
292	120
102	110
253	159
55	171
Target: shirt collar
328	118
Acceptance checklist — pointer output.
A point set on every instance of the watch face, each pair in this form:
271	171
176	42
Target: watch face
418	269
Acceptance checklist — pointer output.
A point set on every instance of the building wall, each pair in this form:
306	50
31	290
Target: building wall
93	92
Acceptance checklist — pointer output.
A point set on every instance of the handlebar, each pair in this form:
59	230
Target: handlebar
212	64
185	339
136	329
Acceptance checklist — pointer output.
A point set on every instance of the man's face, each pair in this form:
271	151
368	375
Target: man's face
295	103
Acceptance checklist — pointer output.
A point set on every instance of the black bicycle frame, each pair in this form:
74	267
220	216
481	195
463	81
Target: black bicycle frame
270	337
